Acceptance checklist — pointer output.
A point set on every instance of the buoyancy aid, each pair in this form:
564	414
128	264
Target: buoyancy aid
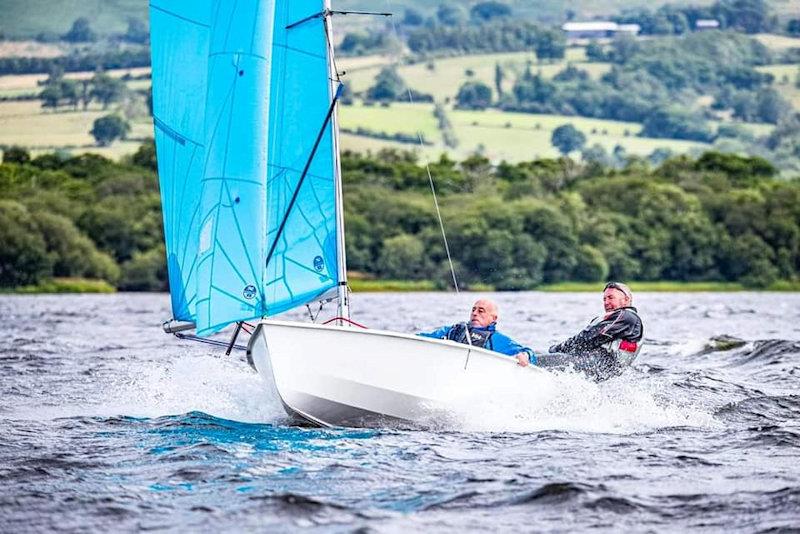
617	333
625	351
478	337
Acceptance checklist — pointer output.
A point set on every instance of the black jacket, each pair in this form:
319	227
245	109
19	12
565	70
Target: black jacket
622	323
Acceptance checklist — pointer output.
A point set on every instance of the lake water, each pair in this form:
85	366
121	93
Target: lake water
107	423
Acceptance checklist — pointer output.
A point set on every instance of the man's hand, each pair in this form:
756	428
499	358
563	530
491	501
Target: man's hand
522	359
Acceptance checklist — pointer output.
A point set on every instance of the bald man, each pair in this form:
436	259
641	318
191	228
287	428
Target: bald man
483	333
608	344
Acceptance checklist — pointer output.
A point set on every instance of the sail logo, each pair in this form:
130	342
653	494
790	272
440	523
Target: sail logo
319	263
249	292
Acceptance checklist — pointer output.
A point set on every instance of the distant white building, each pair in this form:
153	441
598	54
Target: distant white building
597	29
706	24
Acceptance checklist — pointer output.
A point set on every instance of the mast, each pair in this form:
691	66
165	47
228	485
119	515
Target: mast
343	309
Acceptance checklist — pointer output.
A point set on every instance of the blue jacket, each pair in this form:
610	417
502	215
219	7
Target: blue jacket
496	342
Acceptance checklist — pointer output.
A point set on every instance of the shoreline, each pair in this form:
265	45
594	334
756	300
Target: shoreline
81	286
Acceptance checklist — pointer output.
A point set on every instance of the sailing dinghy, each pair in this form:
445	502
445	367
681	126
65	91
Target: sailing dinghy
244	102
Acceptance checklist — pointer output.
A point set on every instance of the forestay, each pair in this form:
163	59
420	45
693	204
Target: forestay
239	101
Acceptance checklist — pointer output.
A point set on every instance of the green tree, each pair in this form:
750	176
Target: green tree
499	76
145	156
23	252
675	124
137	32
106	89
145	271
772	107
403	257
450	15
590	265
747	258
51	96
554	231
388	86
550	45
488	240
81	32
489	10
623	49
595	52
16	154
567	138
121	226
109	128
412	17
73	253
534	88
474	95
70	92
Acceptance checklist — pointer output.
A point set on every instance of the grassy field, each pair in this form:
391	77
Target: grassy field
24	123
499	135
778	42
27	18
398	118
510	136
448	74
23	84
30	49
786	77
66	285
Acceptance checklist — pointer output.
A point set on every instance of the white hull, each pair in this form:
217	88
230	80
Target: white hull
344	376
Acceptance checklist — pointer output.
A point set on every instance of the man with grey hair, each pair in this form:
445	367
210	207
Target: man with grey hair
608	344
482	332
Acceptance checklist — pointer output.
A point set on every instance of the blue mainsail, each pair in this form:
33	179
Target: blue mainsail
239	101
304	265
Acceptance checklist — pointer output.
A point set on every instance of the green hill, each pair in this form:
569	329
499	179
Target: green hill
28	18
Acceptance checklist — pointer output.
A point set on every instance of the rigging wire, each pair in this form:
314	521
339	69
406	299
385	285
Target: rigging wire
428	170
208	341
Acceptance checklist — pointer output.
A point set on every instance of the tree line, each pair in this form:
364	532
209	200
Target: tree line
77	62
500	36
749	16
512	226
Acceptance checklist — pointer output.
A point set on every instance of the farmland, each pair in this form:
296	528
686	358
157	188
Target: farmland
498	135
24	123
503	135
442	77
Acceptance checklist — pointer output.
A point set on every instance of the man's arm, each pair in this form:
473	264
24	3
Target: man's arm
505	345
595	335
439	333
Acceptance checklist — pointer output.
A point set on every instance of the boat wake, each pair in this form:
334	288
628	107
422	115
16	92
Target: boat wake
510	402
220	387
568	401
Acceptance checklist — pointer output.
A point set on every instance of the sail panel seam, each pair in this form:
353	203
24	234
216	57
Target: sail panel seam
181	17
298	50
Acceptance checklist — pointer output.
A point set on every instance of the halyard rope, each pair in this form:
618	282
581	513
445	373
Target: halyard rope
428	170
